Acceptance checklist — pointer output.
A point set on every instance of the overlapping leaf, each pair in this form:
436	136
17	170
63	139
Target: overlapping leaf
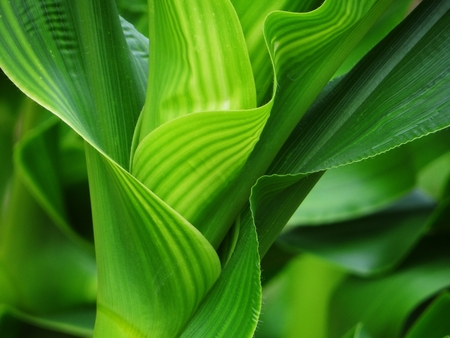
349	124
44	44
152	276
288	36
175	287
190	159
399	89
212	69
41	257
252	16
236	292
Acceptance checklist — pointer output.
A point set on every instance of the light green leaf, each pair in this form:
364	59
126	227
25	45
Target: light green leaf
252	16
154	267
301	70
212	71
232	307
190	161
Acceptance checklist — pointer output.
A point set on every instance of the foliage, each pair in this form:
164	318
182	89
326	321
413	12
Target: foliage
160	204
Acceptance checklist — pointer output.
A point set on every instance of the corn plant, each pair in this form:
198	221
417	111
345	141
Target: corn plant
148	172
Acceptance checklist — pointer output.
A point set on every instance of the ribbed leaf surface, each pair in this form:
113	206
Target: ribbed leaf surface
44	44
193	69
232	307
252	16
153	265
397	93
190	161
350	122
306	49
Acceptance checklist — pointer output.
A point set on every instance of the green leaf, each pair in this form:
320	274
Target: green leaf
366	245
41	270
154	267
212	72
397	93
288	36
36	159
10	100
252	16
135	12
357	189
392	17
38	261
44	48
384	304
9	326
272	203
232	307
361	115
296	301
76	322
433	323
190	161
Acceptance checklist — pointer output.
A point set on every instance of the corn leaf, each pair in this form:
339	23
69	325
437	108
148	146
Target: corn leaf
405	96
36	161
301	70
74	322
213	70
330	134
252	16
40	260
236	292
143	239
145	213
44	44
